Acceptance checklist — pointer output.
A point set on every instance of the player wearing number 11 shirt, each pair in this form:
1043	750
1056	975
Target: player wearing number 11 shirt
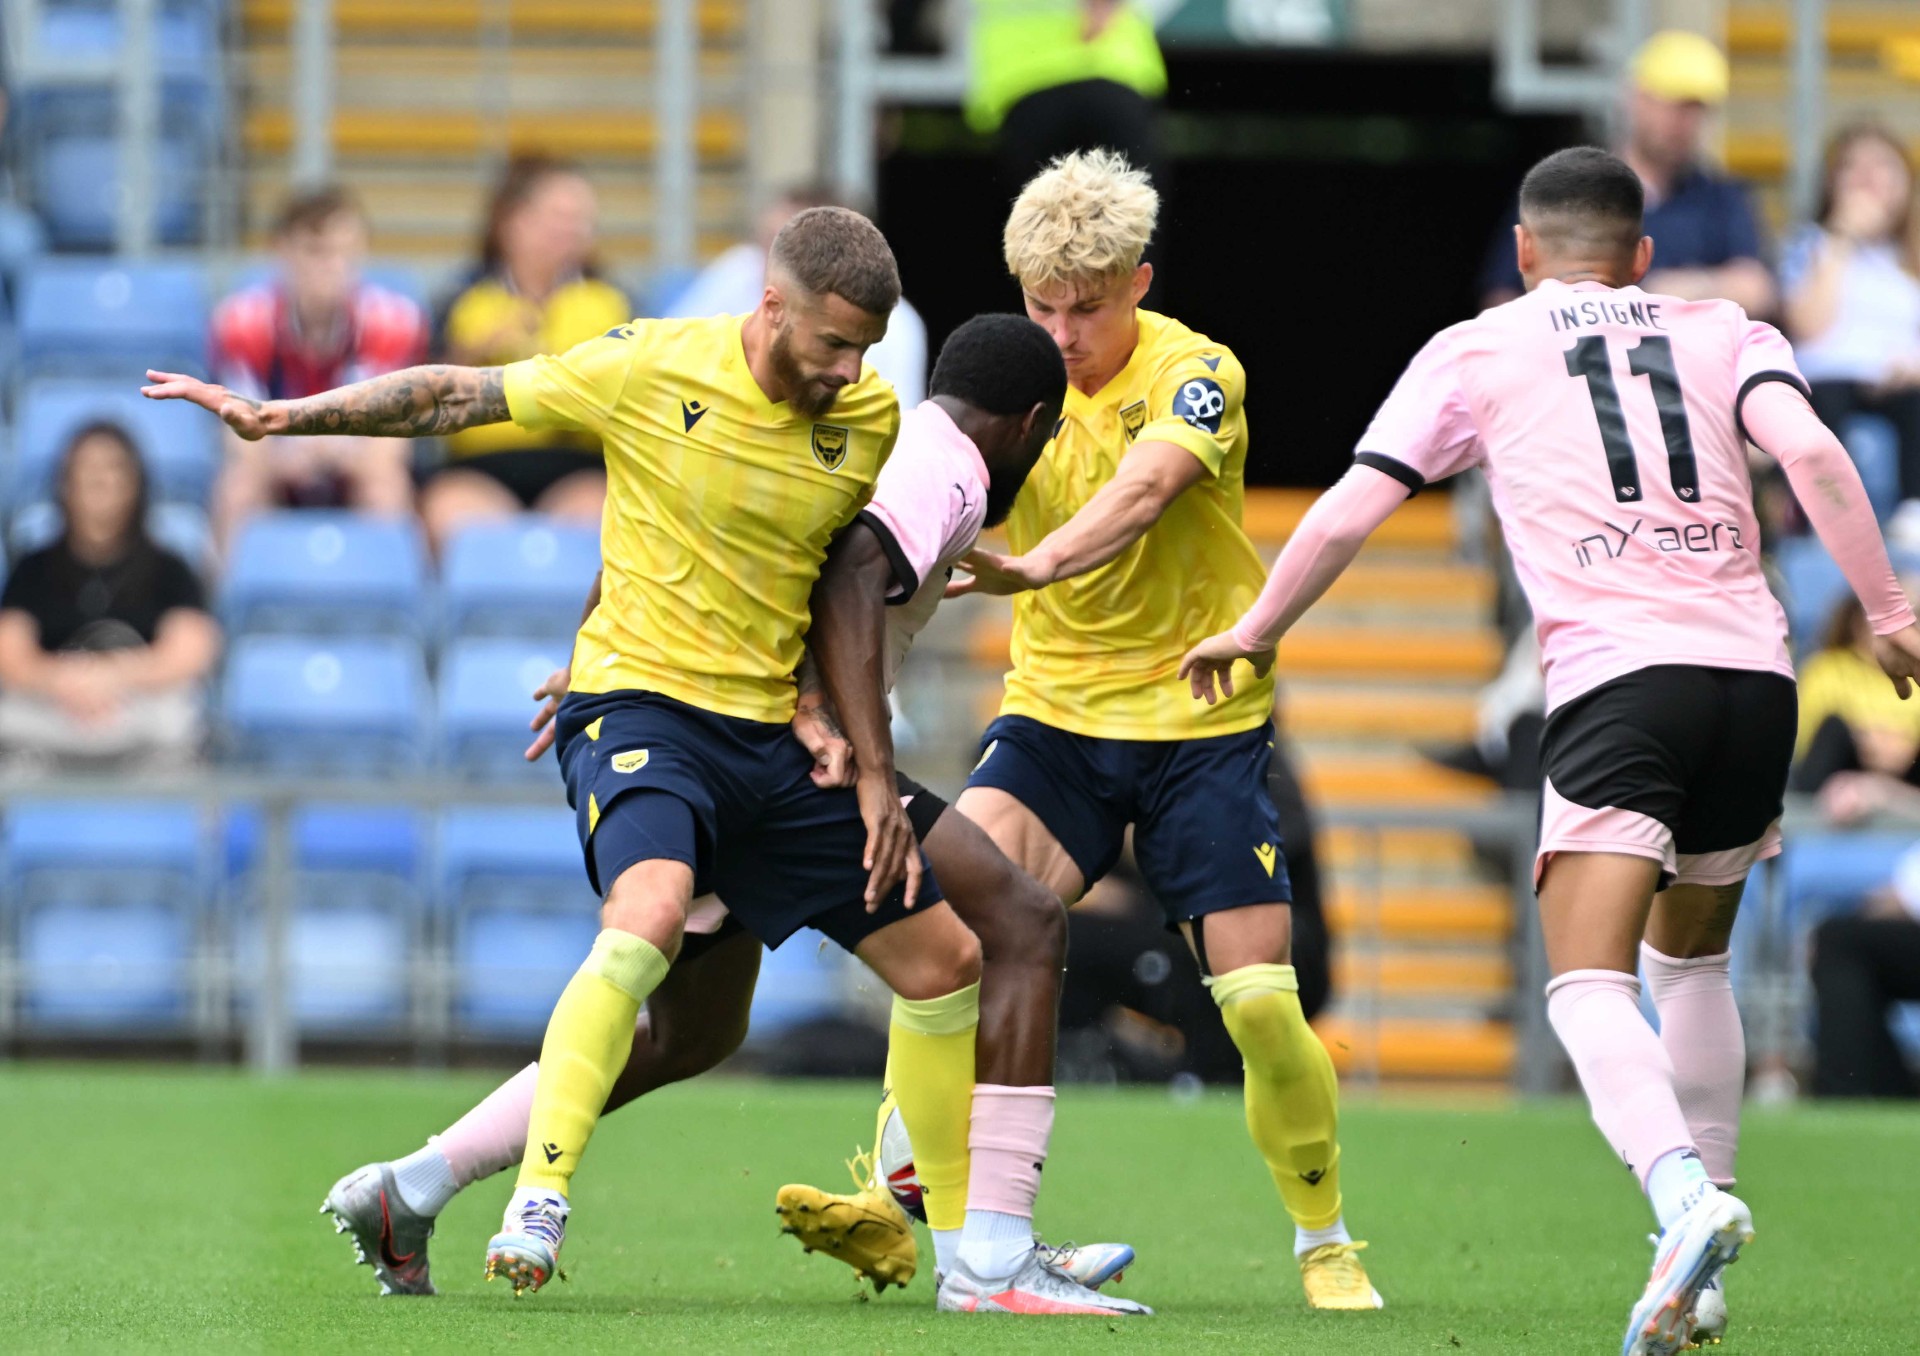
1612	425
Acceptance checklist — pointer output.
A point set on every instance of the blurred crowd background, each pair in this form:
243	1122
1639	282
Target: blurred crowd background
262	705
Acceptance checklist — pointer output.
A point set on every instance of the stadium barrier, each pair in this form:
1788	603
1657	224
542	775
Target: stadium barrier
240	956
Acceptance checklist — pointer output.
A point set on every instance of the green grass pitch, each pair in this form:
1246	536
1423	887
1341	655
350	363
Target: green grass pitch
169	1210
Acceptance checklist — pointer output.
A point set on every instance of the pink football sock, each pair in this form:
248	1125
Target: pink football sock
1008	1141
493	1136
1700	1028
1625	1071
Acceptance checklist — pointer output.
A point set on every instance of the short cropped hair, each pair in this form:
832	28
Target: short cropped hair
1086	218
313	208
1584	196
835	249
1003	364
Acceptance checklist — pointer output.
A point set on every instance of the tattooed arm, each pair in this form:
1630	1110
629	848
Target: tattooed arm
416	402
817	728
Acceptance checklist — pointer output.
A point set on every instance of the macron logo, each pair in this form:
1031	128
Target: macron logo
690	412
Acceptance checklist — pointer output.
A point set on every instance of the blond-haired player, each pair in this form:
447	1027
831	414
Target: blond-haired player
1128	547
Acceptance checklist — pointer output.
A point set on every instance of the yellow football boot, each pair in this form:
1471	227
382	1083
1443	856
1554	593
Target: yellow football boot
866	1229
1335	1279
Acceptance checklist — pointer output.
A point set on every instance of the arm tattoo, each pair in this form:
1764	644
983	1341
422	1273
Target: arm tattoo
807	676
416	402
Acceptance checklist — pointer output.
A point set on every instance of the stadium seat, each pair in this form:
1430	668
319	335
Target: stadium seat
356	926
1874	445
804	981
109	897
326	573
524	577
111	318
1814	587
77	182
521	915
317	705
1829	873
486	702
124	967
178	442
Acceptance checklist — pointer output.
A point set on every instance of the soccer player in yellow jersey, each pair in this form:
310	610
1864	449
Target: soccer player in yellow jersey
1128	548
736	450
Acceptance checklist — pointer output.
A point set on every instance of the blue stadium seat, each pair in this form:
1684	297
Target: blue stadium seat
357	920
178	442
324	705
524	577
181	528
1828	873
77	182
521	914
1874	445
112	318
1814	587
485	704
326	573
110	895
123	967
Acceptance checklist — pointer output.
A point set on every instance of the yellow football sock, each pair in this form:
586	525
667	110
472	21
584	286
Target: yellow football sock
588	1040
930	1069
1292	1095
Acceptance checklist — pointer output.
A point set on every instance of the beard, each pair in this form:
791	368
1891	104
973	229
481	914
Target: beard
1000	497
805	394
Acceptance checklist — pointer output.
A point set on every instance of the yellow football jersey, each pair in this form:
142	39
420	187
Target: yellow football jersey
720	506
1100	654
484	328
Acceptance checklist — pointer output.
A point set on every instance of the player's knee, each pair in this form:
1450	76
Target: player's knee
1031	928
647	910
939	971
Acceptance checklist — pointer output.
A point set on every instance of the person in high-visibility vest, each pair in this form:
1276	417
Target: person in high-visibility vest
1055	76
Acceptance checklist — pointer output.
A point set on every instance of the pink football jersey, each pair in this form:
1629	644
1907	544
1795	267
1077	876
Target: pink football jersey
928	506
1608	423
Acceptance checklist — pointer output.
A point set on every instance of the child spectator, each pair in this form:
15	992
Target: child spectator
315	325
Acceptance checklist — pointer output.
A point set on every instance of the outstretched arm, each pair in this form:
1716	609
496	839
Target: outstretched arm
1324	544
849	645
1780	422
415	402
1150	478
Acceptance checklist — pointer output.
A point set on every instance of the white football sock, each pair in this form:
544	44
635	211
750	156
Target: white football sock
425	1180
946	1249
1306	1240
1675	1182
993	1244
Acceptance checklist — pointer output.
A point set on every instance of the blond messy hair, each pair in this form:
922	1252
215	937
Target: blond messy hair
1083	220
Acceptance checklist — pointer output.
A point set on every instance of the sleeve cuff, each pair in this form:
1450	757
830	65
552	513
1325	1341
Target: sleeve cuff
1793	379
905	577
1399	470
1887	623
523	403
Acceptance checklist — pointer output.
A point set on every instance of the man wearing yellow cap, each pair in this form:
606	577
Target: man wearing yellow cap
1706	241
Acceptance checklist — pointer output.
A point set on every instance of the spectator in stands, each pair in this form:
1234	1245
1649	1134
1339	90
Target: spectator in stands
1706	241
1852	286
105	640
314	325
1049	77
1857	738
733	282
536	290
1863	964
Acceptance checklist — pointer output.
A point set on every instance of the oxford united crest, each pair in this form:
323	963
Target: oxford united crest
829	445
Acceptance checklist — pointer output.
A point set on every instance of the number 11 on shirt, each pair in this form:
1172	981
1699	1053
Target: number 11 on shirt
1652	358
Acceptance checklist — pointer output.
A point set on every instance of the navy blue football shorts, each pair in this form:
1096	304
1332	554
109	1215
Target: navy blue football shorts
1205	831
651	778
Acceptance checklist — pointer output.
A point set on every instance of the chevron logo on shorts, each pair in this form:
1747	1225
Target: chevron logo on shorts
630	761
988	754
1268	855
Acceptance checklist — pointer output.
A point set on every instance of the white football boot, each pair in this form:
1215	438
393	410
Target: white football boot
387	1236
527	1249
1689	1256
1038	1287
1710	1314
